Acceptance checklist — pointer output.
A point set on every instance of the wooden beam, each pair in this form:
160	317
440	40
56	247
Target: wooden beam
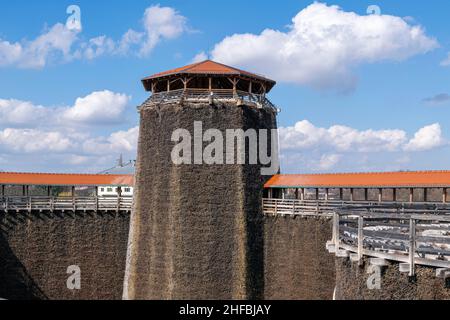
380	195
326	194
394	194
168	85
411	195
250	87
444	195
351	195
341	194
302	195
317	193
366	194
425	194
210	84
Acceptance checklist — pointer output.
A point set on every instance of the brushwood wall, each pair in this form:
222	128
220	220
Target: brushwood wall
36	250
196	230
297	265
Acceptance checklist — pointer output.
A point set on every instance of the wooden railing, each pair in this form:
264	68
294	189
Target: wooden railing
410	235
37	203
207	95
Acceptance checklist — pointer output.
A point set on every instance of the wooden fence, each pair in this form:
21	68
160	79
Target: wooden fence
62	204
411	235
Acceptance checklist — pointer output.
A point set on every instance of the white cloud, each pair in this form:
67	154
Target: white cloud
323	46
427	138
22	113
305	147
56	43
304	135
117	142
98	107
328	161
199	57
31	140
62	44
161	23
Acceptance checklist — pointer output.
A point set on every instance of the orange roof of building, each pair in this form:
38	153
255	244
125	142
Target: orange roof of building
49	179
210	67
363	180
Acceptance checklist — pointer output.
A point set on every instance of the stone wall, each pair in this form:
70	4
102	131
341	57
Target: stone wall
37	248
297	265
196	230
352	283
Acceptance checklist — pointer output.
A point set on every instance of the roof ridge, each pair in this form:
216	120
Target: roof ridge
367	172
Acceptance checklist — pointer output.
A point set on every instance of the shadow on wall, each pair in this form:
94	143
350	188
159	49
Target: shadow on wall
15	282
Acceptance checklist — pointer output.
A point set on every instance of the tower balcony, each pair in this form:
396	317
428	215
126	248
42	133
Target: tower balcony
193	95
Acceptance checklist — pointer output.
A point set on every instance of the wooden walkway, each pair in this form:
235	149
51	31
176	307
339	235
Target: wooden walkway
62	204
410	234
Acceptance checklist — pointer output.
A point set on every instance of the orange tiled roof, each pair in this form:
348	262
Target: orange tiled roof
369	180
208	67
16	178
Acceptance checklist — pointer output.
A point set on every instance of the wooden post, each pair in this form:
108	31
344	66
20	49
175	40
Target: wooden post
119	196
412	246
336	231
425	194
317	194
48	191
351	195
153	87
326	194
360	238
380	195
210	84
341	194
366	194
73	199
250	87
168	85
394	194
296	193
411	195
444	195
302	195
2	190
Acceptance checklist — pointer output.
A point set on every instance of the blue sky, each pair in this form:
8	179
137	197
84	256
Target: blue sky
372	100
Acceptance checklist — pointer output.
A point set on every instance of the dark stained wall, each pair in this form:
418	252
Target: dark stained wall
352	283
37	248
297	265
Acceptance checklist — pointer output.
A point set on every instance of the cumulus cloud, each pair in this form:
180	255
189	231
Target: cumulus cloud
19	113
55	43
304	135
199	57
117	142
305	146
99	108
323	46
62	44
31	141
161	23
427	138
